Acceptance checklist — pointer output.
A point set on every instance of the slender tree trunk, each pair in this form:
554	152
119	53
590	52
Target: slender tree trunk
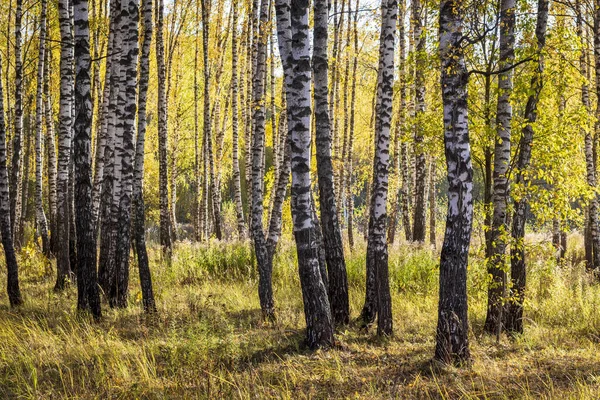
514	319
502	148
350	194
88	298
111	165
15	173
127	103
378	301
23	209
207	123
165	228
420	162
595	223
282	182
63	262
399	132
432	204
104	140
334	248
197	218
51	147
294	47
138	175
39	110
264	261
12	284
237	184
452	334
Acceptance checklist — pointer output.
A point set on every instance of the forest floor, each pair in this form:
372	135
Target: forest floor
208	340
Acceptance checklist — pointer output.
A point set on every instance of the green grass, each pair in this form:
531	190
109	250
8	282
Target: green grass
209	340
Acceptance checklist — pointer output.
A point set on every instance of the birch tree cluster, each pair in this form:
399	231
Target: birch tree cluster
456	125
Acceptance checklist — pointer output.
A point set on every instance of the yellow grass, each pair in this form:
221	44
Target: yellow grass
209	341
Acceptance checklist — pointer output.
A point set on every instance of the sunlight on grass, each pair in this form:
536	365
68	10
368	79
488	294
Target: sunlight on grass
209	341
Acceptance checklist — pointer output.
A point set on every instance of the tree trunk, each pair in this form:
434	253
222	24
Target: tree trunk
452	334
138	175
207	123
334	248
51	147
63	262
282	183
378	301
432	204
39	110
420	162
350	194
518	275
294	47
502	148
264	261
399	131
15	173
237	183
88	298
165	222
12	284
197	188
127	103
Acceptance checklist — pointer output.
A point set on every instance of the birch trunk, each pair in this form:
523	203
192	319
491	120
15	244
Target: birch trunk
63	262
39	110
502	148
263	258
197	218
399	134
420	55
165	228
350	194
294	48
51	147
12	284
237	184
378	301
138	177
518	273
15	173
332	236
452	334
127	103
207	123
88	298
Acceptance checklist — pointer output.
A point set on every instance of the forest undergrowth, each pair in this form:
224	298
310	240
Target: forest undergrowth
208	339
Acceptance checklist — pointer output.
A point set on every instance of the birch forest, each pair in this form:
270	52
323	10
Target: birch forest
354	199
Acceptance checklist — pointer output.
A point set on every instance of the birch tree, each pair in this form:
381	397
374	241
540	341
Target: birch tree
263	260
518	272
294	48
88	298
452	333
237	185
502	148
127	105
378	301
63	263
12	281
138	177
51	148
15	173
334	249
165	221
39	127
418	230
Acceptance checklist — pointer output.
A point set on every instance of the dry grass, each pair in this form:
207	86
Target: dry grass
209	340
